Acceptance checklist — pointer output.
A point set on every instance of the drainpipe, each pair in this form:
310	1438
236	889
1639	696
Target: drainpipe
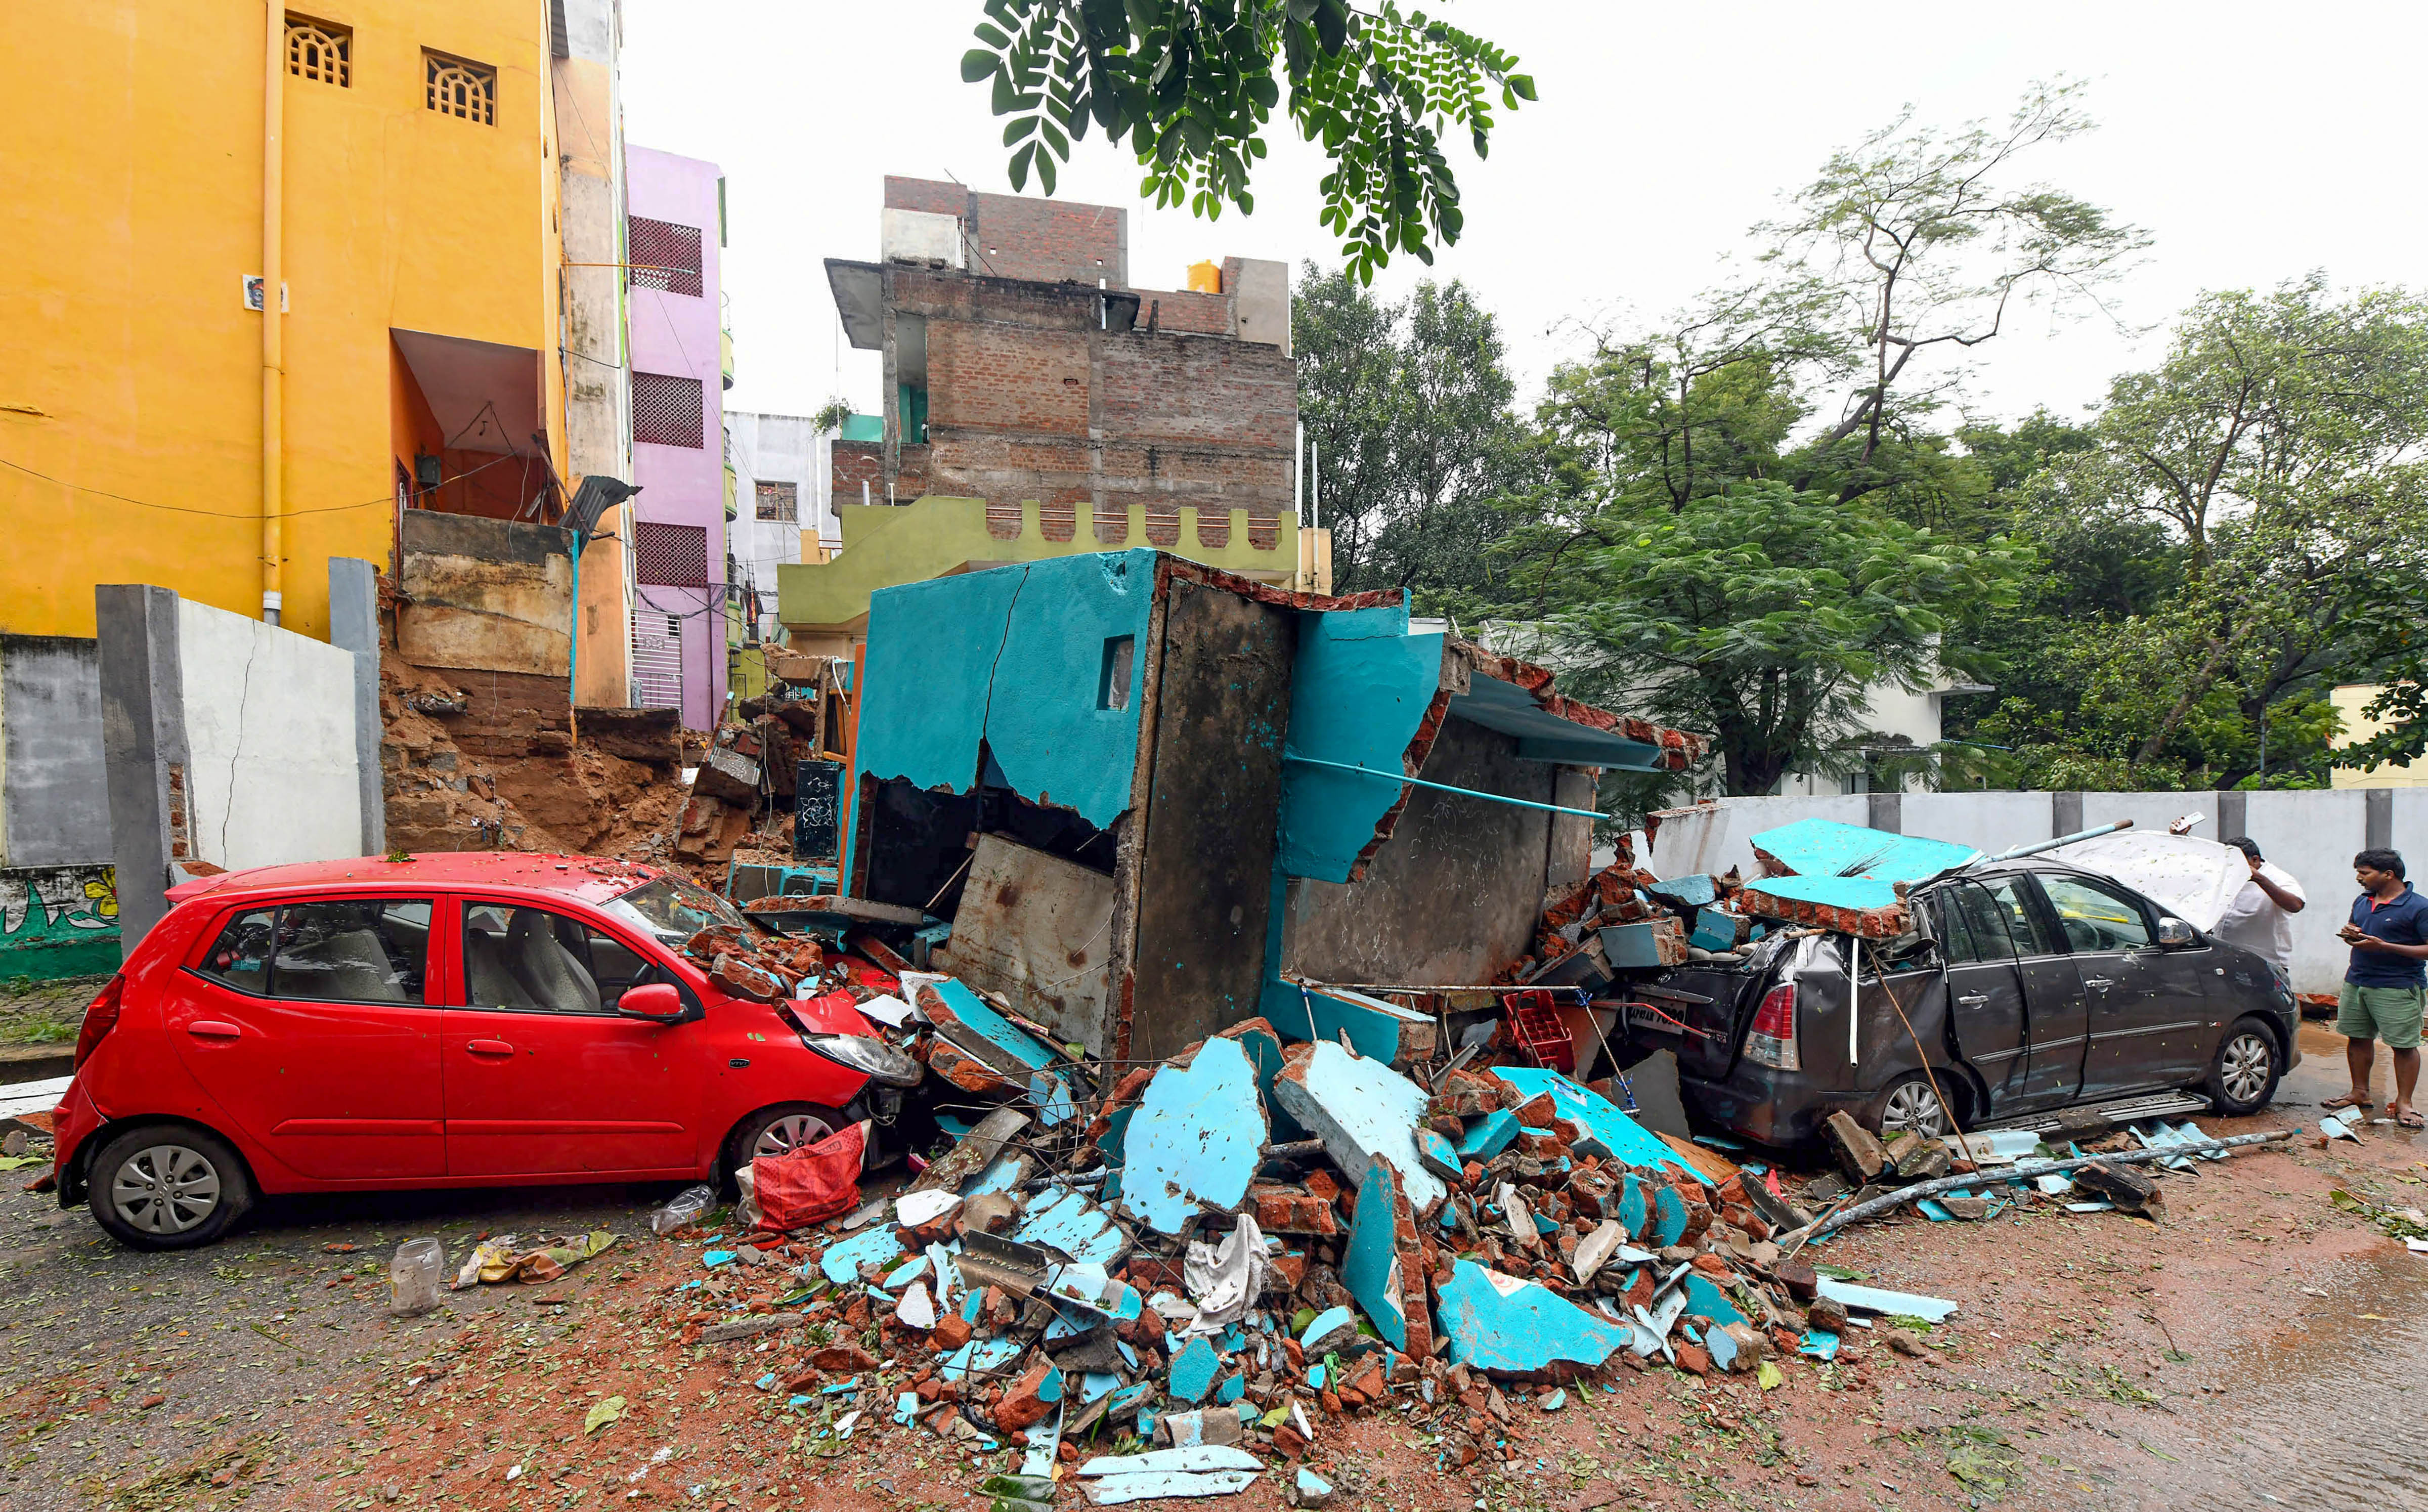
273	446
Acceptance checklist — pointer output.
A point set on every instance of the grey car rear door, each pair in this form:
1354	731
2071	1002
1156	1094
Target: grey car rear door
2149	1012
1985	996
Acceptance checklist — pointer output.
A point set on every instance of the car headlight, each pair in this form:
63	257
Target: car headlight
872	1057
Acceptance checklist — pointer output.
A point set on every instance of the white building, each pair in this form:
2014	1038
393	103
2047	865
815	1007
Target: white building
783	507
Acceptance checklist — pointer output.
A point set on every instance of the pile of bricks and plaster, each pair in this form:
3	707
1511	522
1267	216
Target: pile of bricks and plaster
1168	1279
743	793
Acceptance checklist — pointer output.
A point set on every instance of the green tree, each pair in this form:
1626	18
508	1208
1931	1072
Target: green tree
1760	615
1407	405
1193	83
2284	441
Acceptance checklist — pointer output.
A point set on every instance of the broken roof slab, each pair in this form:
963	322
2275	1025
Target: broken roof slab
1501	1323
1196	1136
1370	1267
1826	849
1361	1109
1625	1140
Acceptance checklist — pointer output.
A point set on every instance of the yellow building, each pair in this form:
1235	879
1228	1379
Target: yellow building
394	165
2349	700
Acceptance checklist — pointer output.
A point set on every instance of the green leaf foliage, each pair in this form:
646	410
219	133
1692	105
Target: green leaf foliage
1193	86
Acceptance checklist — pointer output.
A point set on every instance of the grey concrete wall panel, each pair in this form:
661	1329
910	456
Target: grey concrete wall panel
142	736
55	793
354	625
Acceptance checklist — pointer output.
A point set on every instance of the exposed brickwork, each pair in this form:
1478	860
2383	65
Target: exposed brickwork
926	194
1046	240
857	462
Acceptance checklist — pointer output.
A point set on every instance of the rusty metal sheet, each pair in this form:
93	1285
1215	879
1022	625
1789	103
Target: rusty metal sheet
1037	929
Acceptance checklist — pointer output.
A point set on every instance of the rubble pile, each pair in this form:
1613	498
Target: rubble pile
1183	1271
1624	919
743	793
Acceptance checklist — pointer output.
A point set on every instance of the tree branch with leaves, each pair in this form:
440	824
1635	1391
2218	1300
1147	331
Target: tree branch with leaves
1193	84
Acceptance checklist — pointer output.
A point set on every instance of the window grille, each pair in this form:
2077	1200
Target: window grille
1264	533
667	411
657	661
455	86
320	51
663	255
1213	529
1164	526
780	502
670	556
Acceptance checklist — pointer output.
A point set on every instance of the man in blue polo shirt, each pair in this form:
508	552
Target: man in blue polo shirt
2387	982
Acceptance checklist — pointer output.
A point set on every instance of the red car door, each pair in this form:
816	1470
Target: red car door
309	1022
542	1078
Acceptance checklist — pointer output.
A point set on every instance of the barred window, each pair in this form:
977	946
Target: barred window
670	556
320	50
669	411
460	87
663	255
780	502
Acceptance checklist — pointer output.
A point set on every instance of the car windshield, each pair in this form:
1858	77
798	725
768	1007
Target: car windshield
673	909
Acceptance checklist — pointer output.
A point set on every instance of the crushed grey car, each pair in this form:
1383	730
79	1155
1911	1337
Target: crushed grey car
2026	988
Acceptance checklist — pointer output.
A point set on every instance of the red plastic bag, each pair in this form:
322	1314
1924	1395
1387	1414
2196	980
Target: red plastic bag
808	1185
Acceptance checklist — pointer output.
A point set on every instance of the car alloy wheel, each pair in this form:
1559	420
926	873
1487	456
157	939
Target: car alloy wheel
1912	1107
165	1189
791	1133
2245	1067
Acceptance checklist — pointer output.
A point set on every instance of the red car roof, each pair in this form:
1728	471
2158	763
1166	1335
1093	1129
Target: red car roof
591	878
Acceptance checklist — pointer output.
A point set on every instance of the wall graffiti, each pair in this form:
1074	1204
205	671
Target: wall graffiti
58	921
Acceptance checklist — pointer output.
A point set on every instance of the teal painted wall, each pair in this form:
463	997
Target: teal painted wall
1016	657
1362	687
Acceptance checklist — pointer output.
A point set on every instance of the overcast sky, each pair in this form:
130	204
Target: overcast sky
2253	141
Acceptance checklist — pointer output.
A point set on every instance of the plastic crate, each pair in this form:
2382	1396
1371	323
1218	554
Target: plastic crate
1541	1035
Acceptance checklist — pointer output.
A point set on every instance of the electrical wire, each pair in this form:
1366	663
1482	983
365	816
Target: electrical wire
251	516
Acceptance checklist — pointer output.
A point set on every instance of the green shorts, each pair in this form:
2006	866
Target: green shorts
2388	1013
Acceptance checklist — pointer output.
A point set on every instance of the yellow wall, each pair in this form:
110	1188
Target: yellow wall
2349	700
132	183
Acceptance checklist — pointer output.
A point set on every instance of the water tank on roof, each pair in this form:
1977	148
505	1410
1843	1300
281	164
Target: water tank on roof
1206	277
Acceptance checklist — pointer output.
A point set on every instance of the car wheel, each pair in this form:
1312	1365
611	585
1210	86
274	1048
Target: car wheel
1912	1106
168	1187
2243	1075
777	1130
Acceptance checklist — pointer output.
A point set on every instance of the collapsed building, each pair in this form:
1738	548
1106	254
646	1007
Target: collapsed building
1155	800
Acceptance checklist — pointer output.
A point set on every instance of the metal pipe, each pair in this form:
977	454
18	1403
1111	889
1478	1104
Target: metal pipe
1440	787
2019	1172
274	441
2038	846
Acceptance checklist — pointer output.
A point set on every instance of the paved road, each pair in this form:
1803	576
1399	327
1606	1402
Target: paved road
129	1379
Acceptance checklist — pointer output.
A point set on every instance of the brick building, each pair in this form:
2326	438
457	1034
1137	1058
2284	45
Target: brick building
1020	365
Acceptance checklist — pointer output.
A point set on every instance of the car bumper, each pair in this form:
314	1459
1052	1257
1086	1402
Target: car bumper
71	1122
1778	1108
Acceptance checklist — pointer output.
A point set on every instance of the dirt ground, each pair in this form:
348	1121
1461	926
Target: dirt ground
2257	1349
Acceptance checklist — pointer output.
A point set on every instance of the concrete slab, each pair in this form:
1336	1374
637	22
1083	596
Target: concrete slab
1370	1267
1360	1109
1501	1324
1195	1136
1626	1140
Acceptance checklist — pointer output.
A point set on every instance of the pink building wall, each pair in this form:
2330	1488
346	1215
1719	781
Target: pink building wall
677	335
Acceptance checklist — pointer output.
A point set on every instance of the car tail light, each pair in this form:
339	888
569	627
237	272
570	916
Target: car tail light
100	1017
1771	1042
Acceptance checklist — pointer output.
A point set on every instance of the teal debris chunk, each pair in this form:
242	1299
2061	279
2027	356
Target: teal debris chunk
1327	1328
1634	1210
1197	1134
1315	1376
1556	1399
1193	1370
1628	1142
1370	1267
1439	1155
1825	848
1689	891
1312	1489
1894	1304
1723	1348
1668	1217
1819	1343
713	1259
1164	1462
979	1355
1232	1388
906	1408
1360	1109
1500	1323
877	1245
1070	1222
1097	1383
1489	1135
1715	930
1112	1491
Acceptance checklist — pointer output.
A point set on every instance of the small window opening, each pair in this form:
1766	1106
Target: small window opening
1113	687
460	87
320	50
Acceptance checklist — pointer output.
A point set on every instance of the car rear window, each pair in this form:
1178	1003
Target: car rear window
355	950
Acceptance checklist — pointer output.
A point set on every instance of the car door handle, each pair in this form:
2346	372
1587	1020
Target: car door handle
489	1048
2099	982
205	1029
1974	999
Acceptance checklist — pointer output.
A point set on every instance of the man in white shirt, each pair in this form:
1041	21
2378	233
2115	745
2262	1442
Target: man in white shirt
2261	918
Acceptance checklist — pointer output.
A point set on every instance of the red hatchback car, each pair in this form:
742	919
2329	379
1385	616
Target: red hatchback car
452	1020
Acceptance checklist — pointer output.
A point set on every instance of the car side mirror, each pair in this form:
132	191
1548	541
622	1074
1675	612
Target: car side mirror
2175	934
654	1002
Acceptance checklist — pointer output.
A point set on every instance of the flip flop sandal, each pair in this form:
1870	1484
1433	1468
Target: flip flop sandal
2411	1118
2347	1100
